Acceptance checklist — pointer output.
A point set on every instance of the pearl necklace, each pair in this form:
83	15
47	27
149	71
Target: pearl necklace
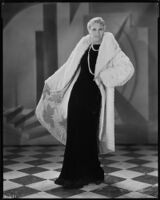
89	59
94	49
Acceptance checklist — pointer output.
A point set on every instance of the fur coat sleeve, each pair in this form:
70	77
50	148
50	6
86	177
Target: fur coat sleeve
119	69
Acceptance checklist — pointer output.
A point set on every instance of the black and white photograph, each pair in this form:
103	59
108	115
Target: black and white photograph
80	100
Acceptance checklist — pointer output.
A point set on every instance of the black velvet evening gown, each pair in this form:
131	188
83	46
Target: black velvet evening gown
81	164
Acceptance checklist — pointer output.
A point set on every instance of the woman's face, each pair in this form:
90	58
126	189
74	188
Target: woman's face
96	32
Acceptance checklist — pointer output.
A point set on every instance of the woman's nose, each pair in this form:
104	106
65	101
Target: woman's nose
97	33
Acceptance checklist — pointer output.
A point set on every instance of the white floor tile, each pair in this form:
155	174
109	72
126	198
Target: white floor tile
48	174
126	174
86	195
8	185
122	165
43	185
13	174
154	173
131	185
19	166
93	186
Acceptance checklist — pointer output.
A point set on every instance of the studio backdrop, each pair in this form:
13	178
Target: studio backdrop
39	37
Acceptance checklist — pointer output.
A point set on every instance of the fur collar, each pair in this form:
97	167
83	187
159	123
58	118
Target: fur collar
107	50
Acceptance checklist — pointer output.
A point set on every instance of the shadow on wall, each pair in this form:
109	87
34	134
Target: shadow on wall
19	59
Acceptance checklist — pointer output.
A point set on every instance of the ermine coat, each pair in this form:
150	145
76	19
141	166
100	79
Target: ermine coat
113	68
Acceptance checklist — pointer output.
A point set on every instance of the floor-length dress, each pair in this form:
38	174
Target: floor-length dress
81	164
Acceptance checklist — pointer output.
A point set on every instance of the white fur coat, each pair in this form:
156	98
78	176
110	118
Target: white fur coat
113	68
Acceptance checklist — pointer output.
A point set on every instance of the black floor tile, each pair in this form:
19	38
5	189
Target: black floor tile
147	179
20	192
26	180
111	191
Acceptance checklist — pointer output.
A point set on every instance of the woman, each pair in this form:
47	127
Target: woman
79	98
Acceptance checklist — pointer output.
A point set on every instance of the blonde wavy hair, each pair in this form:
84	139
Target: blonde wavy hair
98	20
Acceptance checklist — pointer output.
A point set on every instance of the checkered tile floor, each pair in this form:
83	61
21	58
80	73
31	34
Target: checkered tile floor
130	172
